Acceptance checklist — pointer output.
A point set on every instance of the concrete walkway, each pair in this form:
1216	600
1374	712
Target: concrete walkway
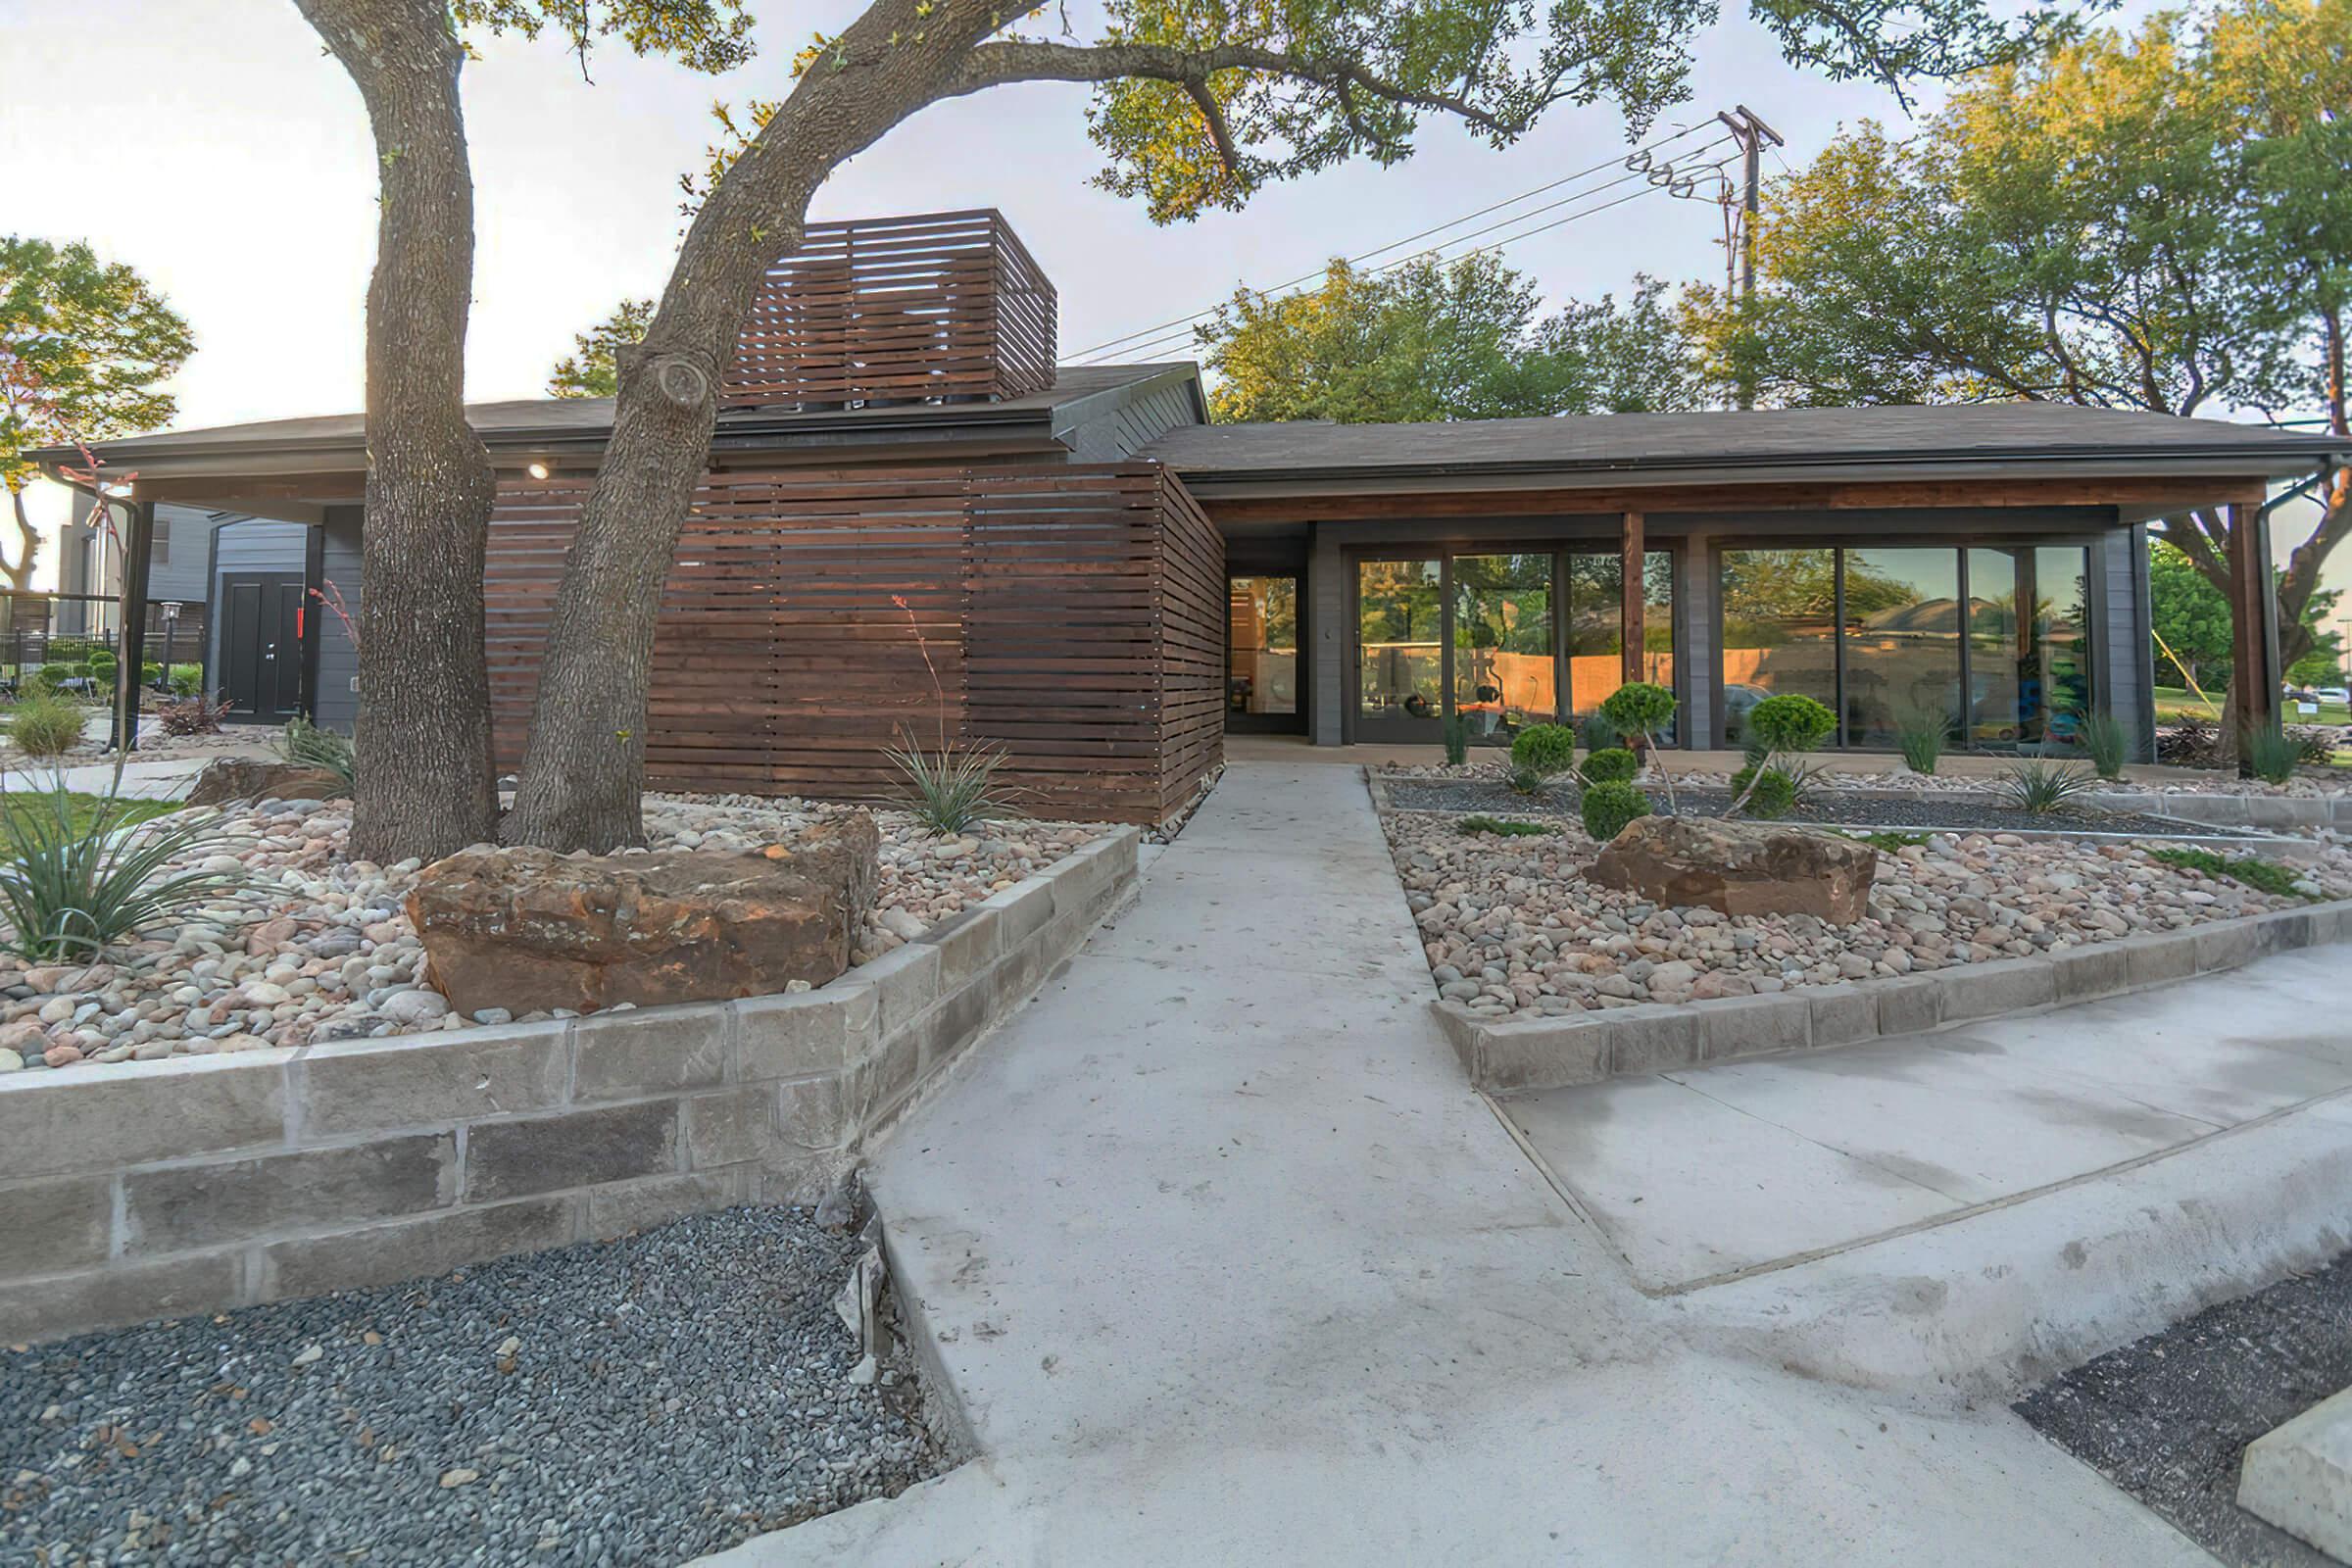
1226	1263
1712	1172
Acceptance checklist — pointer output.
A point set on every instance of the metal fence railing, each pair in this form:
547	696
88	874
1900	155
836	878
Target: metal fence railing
67	635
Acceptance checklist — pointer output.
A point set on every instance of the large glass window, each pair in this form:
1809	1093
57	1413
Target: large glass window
1902	640
1504	673
1780	631
1998	713
1400	643
1597	625
1261	647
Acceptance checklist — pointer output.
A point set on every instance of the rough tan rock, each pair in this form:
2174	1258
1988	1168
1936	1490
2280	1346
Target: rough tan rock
1740	867
525	929
250	779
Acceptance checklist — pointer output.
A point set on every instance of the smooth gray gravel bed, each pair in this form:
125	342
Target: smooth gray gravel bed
636	1402
2167	1418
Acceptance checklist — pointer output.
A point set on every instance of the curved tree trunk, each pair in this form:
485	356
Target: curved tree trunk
20	572
583	775
425	786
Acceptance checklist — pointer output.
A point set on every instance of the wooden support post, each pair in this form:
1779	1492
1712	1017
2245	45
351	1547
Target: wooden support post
1634	607
131	653
2253	636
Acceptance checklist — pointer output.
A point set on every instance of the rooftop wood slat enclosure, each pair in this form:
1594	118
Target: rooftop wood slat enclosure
1071	614
944	304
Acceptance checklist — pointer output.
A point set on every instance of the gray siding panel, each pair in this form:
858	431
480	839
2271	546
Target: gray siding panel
1133	419
2125	660
1331	640
339	655
247	544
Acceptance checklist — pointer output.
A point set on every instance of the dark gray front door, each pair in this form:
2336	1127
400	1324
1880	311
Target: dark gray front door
261	646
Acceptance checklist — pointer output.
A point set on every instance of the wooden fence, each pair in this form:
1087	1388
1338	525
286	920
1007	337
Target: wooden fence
945	305
1071	614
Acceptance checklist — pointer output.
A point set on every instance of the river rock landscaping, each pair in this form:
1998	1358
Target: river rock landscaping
315	946
1511	927
645	1401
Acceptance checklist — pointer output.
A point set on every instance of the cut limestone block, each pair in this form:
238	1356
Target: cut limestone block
2299	1477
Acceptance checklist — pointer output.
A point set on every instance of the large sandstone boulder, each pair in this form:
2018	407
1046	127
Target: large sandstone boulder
1738	868
526	929
251	778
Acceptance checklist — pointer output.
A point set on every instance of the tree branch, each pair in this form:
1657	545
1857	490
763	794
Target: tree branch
1220	134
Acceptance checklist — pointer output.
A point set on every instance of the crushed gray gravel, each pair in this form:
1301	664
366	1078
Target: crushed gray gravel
637	1402
2166	1418
1822	806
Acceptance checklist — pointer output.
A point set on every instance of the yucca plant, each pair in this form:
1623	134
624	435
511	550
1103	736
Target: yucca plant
2106	741
1457	740
2041	787
954	788
305	743
1920	732
77	880
2270	753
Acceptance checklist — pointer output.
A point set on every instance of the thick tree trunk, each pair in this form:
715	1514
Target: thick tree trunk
20	572
584	773
425	786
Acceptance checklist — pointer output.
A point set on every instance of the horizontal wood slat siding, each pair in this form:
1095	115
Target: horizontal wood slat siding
946	304
1072	615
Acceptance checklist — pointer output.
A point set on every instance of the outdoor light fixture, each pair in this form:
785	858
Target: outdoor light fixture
538	471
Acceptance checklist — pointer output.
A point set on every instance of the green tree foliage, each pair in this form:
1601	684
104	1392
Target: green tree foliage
593	368
1432	340
83	344
2192	619
2160	221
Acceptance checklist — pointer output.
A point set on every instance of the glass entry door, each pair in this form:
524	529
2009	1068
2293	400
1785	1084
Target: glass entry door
1505	668
1400	650
1261	656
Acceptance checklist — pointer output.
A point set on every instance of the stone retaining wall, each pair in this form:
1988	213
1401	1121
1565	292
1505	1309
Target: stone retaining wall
201	1182
1504	1056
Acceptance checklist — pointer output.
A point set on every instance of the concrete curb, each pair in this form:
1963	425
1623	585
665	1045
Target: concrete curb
204	1183
1506	1057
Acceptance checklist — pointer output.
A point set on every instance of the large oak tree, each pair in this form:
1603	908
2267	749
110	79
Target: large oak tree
1197	104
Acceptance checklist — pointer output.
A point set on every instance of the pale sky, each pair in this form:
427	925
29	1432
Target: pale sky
212	146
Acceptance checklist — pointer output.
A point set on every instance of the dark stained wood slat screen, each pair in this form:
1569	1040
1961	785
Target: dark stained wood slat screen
1071	614
944	304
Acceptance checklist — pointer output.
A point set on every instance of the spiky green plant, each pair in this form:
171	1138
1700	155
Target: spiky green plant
954	788
2105	740
1525	780
1595	733
306	745
1920	732
1457	740
80	875
44	724
2041	787
2270	753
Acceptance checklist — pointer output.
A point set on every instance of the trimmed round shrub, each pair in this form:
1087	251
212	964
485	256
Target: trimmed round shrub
45	725
1545	748
1791	723
1638	708
1611	765
1608	808
187	679
53	676
1775	793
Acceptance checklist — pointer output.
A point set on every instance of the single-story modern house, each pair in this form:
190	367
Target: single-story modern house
903	485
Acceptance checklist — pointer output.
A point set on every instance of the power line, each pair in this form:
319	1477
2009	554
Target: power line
1160	328
1184	331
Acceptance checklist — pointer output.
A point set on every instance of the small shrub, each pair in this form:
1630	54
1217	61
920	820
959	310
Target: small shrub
1595	733
1525	780
77	876
102	664
1888	841
187	679
1638	708
1457	740
1608	808
151	673
955	789
44	724
2272	754
192	715
1791	723
56	677
1611	765
2264	876
306	745
1546	749
1502	827
2105	740
2040	787
1769	793
1920	732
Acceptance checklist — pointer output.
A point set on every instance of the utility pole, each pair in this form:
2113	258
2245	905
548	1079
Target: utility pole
1749	130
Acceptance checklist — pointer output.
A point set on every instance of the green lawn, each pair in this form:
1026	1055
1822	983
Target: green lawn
32	807
2175	702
